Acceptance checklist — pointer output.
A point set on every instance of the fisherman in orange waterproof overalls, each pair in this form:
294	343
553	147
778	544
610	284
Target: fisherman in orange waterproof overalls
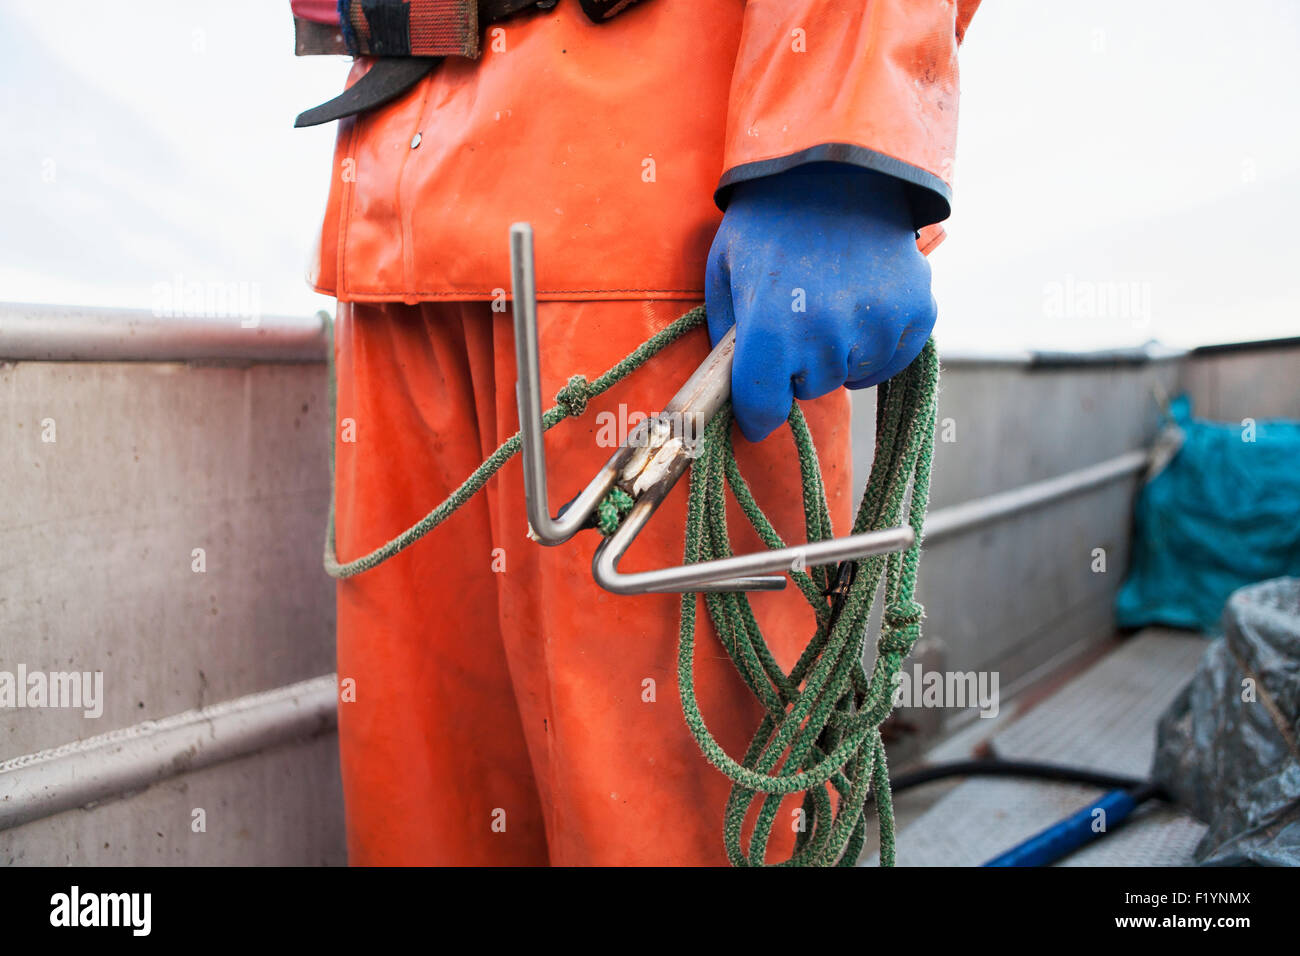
785	161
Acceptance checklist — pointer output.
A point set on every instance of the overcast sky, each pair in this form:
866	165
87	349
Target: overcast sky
1125	171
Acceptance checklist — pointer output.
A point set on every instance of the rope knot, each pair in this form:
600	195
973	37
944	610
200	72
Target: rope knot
900	628
573	397
612	508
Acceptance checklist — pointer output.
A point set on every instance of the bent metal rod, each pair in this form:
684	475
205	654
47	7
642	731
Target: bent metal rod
647	466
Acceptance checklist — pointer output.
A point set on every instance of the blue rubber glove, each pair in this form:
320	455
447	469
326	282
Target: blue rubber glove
818	269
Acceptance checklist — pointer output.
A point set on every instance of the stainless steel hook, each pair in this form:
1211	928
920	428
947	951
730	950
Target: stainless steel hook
646	466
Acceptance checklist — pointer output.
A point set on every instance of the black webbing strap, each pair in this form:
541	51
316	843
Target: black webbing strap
388	79
598	11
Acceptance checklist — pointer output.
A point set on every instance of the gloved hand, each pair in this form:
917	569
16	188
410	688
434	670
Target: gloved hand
818	269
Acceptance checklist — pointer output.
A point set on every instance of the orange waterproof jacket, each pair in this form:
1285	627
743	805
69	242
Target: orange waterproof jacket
619	141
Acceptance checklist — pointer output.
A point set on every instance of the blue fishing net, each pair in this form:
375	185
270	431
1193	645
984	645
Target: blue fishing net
1224	512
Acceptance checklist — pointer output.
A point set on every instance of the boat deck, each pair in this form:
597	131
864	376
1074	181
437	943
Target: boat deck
1104	718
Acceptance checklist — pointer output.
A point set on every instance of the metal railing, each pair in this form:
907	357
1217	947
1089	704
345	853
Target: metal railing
61	333
128	760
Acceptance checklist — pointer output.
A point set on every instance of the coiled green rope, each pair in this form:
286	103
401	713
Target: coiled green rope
821	731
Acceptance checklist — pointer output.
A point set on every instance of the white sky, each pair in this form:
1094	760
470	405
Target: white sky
1126	171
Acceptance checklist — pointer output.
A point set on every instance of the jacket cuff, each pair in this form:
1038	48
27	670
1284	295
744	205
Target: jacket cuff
930	196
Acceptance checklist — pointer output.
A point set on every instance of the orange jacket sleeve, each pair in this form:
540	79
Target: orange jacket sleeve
867	82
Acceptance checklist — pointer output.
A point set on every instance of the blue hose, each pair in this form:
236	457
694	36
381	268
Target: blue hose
1071	833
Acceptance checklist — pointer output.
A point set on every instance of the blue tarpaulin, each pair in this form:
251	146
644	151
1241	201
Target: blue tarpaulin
1222	514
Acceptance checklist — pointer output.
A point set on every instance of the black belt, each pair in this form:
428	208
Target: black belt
408	39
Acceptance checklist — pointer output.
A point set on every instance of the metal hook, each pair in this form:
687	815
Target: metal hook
647	465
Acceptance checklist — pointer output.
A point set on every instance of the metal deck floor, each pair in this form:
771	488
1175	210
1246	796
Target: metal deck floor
1103	719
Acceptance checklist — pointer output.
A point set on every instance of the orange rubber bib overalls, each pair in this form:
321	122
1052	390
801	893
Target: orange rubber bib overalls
507	710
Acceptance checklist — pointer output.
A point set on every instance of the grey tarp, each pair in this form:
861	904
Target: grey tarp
1226	747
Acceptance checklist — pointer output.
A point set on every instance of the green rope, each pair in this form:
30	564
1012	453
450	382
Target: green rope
570	400
610	511
820	734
